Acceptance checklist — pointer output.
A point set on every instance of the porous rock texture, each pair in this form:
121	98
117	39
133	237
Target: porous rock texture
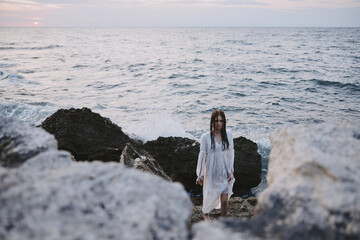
18	142
86	135
216	230
313	190
314	182
50	196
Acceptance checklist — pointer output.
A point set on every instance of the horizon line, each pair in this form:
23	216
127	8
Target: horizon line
157	26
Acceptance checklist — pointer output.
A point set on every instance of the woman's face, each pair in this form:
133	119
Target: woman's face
219	122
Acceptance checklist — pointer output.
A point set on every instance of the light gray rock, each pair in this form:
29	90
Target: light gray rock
19	142
51	196
314	179
219	230
81	200
52	159
313	192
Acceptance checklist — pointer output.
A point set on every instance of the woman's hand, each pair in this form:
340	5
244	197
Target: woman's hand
229	177
200	181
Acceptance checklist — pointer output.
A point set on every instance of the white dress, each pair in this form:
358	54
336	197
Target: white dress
213	166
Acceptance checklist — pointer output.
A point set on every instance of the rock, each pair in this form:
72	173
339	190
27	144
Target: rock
247	165
106	154
178	157
90	201
313	182
313	188
215	230
252	200
52	159
52	197
86	135
141	160
238	208
18	142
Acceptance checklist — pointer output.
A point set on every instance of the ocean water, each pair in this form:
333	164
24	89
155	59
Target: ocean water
166	81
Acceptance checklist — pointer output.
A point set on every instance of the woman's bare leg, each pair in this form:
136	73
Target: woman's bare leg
206	217
224	204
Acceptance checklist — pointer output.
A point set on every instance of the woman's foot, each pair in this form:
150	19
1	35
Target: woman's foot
207	217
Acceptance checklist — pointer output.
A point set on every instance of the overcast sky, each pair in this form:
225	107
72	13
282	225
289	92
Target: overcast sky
213	13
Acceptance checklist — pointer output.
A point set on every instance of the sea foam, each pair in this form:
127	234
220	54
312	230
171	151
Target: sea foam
153	126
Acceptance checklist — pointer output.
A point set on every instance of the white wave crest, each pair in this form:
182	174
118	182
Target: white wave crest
33	114
153	126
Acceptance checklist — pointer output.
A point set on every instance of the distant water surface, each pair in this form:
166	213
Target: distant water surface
166	81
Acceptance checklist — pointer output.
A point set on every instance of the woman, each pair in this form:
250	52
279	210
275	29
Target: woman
215	167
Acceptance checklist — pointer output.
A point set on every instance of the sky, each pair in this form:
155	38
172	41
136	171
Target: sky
180	13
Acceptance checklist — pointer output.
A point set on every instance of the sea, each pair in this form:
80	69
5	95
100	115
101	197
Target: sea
166	81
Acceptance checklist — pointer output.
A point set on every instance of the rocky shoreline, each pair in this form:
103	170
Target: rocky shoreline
89	136
46	193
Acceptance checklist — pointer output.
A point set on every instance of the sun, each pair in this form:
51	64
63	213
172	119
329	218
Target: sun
36	23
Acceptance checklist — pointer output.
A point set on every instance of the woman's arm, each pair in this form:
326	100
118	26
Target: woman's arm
201	161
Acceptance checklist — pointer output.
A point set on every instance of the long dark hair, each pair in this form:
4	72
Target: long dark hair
225	142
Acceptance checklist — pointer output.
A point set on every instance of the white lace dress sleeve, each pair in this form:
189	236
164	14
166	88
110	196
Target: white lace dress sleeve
213	166
200	169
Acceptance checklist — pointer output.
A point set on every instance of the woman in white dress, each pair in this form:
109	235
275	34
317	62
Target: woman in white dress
215	167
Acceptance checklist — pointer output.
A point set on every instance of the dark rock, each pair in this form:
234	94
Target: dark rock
108	154
141	160
247	165
197	201
178	157
252	200
86	135
19	142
